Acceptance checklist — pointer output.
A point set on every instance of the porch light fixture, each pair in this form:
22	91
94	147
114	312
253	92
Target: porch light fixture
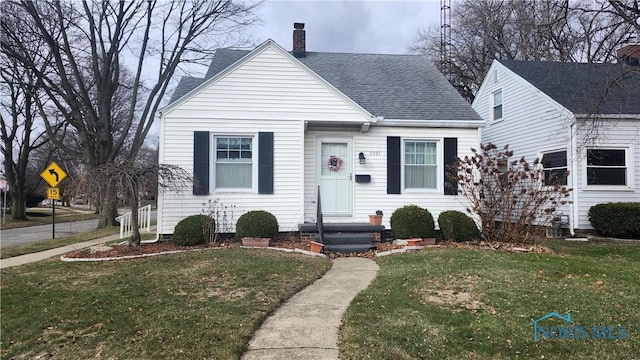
362	159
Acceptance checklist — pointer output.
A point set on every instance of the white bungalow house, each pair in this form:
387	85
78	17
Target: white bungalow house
581	118
265	128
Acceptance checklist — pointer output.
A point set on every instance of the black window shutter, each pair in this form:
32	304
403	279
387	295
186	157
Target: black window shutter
201	151
450	156
393	165
265	163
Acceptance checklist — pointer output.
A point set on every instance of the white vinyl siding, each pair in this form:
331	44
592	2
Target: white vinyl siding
269	86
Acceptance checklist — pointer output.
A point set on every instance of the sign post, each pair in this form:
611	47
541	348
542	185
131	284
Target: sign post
53	175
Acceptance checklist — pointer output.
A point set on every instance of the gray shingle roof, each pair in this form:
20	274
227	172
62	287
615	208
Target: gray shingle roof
407	87
584	88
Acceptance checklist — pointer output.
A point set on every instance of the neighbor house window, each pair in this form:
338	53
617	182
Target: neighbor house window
234	162
420	165
606	167
554	165
497	105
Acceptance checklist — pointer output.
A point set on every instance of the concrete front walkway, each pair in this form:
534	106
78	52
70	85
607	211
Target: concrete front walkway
306	326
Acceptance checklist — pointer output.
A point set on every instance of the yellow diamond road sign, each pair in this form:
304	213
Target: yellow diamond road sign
53	174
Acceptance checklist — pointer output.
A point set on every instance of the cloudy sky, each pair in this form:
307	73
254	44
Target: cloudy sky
358	26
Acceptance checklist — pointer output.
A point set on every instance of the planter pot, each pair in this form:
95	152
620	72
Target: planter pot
375	219
414	242
429	241
316	247
255	242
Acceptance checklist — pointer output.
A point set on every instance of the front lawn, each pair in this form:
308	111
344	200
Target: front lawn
480	304
194	305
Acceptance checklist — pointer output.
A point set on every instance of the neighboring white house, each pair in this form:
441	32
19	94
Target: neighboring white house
265	128
580	118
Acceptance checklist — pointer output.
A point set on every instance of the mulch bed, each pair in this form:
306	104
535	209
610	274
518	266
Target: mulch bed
286	243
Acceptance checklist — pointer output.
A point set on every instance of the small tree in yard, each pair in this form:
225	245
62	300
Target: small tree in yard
507	194
130	179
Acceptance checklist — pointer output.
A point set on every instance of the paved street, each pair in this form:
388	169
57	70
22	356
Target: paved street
19	236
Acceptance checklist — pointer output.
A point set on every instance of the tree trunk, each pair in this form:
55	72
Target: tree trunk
135	231
18	204
108	210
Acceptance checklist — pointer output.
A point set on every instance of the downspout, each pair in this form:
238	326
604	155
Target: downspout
574	177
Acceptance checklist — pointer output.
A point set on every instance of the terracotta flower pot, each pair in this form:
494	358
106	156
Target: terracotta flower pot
256	242
316	247
429	241
414	242
375	219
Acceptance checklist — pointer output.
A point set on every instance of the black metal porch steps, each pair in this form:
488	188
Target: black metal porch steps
344	237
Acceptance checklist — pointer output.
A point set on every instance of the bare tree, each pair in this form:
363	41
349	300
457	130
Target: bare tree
22	131
133	178
91	43
629	11
556	30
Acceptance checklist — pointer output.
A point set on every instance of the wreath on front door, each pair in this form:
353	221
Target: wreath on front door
334	163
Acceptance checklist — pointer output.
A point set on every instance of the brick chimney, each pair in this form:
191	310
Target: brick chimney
299	41
630	53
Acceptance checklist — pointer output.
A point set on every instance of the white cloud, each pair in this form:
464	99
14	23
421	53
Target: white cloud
348	26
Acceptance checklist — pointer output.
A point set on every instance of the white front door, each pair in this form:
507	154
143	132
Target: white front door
334	171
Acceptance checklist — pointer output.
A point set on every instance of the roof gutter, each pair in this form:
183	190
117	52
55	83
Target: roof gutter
609	116
460	124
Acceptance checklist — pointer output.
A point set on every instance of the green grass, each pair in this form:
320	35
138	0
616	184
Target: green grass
194	305
479	304
43	245
43	216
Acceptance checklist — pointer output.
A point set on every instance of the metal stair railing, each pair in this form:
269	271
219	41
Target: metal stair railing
319	218
144	221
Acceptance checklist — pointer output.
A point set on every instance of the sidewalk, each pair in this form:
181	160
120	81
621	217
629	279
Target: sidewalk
306	326
33	257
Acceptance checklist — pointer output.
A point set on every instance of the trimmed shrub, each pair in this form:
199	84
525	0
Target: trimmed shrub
412	221
621	220
457	226
257	223
193	230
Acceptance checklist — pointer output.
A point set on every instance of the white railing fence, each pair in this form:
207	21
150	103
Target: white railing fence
144	221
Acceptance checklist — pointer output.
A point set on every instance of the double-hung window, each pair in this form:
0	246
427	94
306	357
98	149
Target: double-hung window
234	162
497	106
607	167
420	164
554	165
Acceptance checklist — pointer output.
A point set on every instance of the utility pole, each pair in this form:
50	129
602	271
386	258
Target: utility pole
445	38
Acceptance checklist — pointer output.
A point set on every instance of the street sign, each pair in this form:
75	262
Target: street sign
53	194
53	174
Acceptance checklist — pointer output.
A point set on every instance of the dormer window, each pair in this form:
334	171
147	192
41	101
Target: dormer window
497	105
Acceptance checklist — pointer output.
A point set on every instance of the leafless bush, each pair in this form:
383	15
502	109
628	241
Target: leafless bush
222	215
507	194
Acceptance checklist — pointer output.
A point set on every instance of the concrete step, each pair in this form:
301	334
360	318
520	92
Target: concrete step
341	227
345	238
348	248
